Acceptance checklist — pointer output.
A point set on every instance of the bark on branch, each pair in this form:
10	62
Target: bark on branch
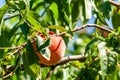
67	59
114	3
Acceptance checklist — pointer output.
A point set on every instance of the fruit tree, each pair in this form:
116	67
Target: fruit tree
59	40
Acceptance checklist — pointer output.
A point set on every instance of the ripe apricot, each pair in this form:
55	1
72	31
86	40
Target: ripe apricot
57	50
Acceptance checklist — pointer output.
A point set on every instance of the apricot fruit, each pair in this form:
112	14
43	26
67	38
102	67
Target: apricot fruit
57	50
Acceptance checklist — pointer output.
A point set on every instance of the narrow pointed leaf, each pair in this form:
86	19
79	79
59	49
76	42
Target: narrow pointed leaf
60	28
103	59
30	61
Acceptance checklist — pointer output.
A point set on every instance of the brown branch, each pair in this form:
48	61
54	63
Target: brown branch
89	25
71	58
114	3
11	70
67	59
93	25
19	48
50	72
64	61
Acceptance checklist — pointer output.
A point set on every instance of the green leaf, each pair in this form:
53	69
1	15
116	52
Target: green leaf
116	18
2	13
37	17
104	7
81	8
34	15
54	9
90	44
118	74
30	61
1	25
24	16
21	22
103	59
25	29
35	69
23	3
112	61
36	25
100	17
60	28
77	10
43	45
88	9
66	17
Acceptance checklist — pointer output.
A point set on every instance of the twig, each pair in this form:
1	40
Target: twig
89	25
114	3
67	59
19	48
71	58
12	16
93	25
63	61
12	72
29	24
50	72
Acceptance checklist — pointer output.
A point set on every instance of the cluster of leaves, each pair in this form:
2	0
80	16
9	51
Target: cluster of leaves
102	59
21	19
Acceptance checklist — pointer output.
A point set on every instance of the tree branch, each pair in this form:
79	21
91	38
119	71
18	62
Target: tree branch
89	25
67	59
10	71
64	61
50	72
114	3
12	16
19	48
93	25
71	58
